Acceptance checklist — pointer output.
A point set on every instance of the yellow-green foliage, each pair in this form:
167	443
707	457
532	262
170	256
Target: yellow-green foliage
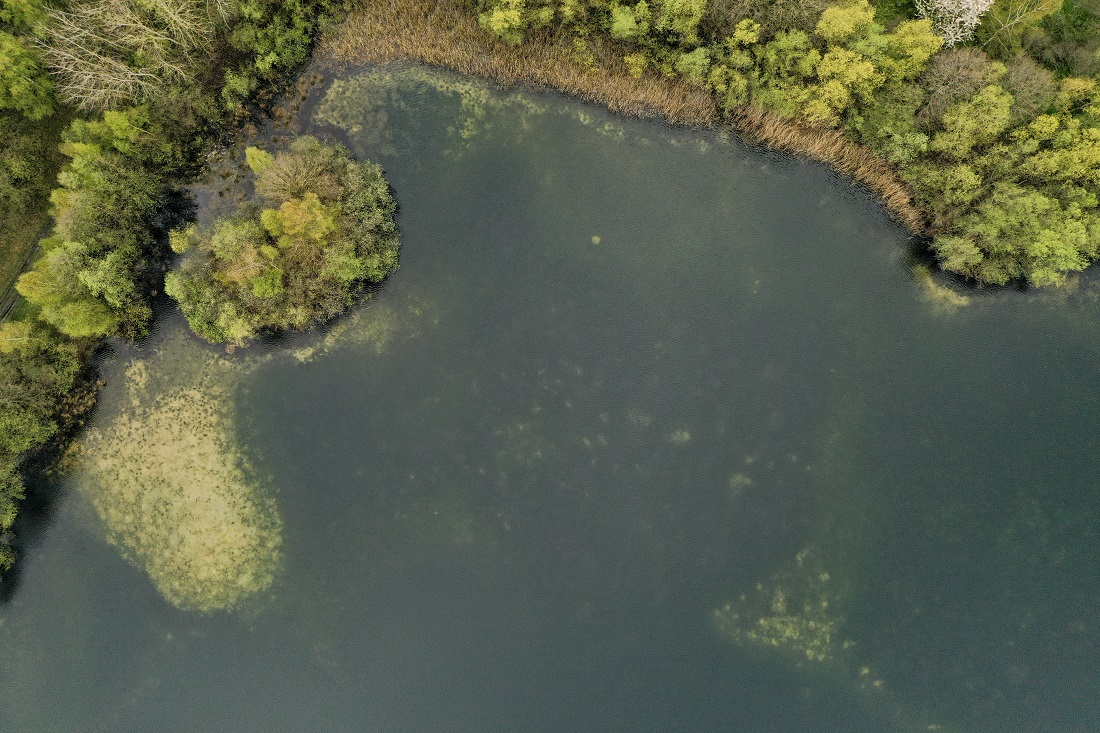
844	78
839	23
258	160
978	121
330	224
1022	205
681	19
173	490
509	20
297	218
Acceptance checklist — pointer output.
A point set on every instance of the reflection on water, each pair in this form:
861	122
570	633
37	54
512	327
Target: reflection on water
650	432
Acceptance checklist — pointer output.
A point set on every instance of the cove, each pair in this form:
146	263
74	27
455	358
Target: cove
629	442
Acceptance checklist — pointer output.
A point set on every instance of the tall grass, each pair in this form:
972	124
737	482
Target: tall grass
831	147
442	33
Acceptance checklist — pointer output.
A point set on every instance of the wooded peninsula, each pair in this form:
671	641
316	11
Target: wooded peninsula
976	122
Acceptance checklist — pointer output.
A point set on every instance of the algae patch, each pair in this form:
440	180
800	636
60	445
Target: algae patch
174	492
375	326
371	106
376	107
794	612
942	298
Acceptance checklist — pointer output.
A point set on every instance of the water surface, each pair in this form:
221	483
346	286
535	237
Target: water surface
651	431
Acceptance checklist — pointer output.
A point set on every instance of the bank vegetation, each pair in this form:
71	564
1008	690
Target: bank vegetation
108	107
976	122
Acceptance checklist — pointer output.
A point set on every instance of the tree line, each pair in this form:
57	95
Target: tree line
129	93
989	111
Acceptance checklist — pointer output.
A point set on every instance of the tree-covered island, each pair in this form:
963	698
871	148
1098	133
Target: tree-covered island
328	228
978	122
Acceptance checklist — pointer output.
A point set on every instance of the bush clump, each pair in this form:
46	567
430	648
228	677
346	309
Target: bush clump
320	226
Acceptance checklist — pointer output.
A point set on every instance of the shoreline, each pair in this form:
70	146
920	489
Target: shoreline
438	33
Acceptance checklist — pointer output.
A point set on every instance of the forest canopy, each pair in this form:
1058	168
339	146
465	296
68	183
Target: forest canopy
124	97
988	111
321	225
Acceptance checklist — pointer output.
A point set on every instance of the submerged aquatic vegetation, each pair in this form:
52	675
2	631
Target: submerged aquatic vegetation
375	326
174	492
680	436
372	106
794	612
361	104
941	297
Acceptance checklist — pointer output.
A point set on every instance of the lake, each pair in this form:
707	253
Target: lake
651	431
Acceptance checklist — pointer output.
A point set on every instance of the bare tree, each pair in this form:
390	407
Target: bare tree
954	20
1032	87
108	52
953	76
1005	26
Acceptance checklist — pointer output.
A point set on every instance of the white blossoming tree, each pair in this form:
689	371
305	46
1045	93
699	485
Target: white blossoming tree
953	20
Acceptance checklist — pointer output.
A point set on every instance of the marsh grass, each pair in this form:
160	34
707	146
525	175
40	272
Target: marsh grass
831	147
441	33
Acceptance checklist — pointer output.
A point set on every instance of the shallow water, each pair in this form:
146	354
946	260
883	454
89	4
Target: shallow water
651	431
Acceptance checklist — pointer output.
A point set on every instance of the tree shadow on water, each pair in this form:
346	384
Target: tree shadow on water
42	488
36	513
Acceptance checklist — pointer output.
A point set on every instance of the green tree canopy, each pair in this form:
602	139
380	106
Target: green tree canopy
323	224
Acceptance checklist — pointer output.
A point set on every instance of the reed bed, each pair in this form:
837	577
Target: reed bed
831	147
442	33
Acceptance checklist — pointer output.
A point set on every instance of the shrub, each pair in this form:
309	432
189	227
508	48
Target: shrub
36	370
24	85
1033	87
93	277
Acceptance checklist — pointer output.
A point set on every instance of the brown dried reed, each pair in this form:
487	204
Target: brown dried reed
831	147
441	33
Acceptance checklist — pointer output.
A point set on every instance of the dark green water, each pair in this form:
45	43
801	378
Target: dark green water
518	484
